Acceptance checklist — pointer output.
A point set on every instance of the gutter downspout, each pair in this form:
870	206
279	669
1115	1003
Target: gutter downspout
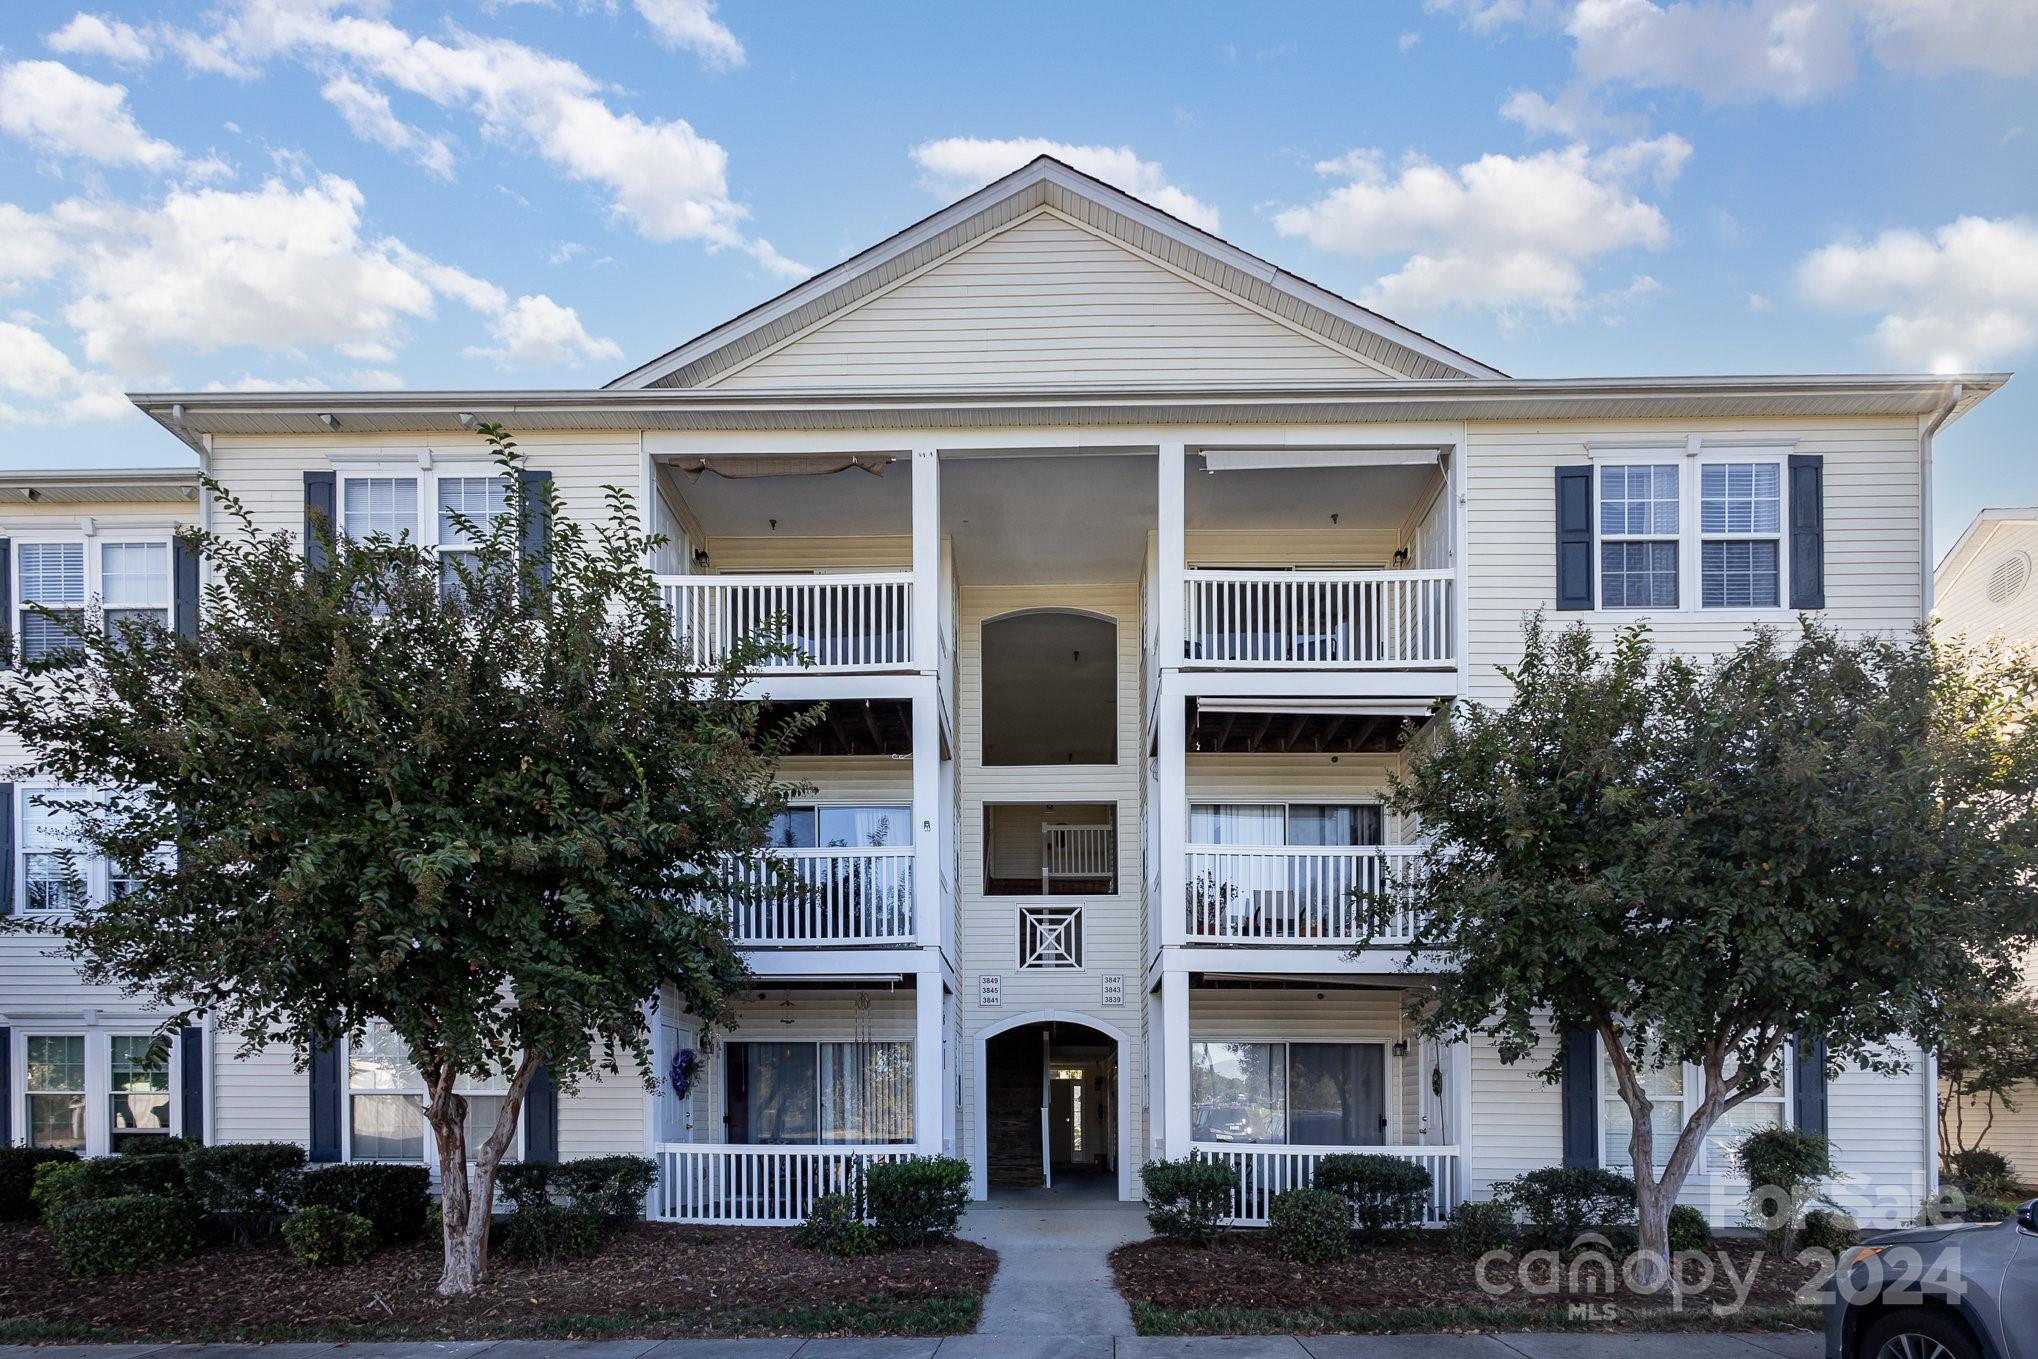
1954	393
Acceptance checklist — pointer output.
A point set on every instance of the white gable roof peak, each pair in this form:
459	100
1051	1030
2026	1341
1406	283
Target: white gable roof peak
1047	182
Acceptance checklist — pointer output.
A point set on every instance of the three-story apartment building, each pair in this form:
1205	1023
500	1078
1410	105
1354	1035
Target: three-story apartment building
1121	558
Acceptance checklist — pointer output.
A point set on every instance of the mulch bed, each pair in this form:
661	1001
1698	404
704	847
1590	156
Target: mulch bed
655	1280
1419	1284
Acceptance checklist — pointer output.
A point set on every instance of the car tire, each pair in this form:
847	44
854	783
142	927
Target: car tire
1917	1332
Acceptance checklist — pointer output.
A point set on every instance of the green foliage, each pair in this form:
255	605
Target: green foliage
124	1235
1698	860
1386	1193
1987	1051
1475	1228
391	1197
1983	1174
611	1187
1311	1226
155	1146
1990	1210
60	1184
1559	1203
245	1184
1688	1229
1784	1168
546	1233
1826	1230
329	1236
477	807
835	1226
18	1167
1186	1200
525	1184
917	1201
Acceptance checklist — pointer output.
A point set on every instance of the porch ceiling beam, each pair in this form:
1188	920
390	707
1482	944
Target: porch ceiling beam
1260	732
1295	727
877	739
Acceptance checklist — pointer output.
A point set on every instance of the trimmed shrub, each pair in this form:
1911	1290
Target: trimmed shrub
1688	1229
914	1202
18	1166
246	1185
329	1236
526	1184
123	1235
1187	1199
155	1146
1783	1167
1559	1203
1475	1228
1990	1210
834	1227
1984	1174
612	1187
546	1233
1385	1192
1310	1226
1824	1230
60	1184
391	1197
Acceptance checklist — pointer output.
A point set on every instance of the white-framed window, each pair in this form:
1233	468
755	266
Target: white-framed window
1051	938
478	499
805	1092
1325	1094
44	830
1684	530
93	1090
127	572
386	1098
829	825
1333	824
372	505
1673	1090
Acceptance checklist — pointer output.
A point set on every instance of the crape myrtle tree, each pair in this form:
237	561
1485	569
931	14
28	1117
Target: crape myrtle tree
1699	861
1988	1061
488	799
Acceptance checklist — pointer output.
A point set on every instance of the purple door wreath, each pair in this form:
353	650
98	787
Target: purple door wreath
686	1064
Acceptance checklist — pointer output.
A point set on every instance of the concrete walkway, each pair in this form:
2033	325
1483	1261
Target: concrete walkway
1053	1283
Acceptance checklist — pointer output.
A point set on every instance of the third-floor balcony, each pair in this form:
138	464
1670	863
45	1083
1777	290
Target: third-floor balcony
830	897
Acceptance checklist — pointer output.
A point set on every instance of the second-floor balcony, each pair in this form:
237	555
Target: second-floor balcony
830	897
1318	620
847	622
1295	894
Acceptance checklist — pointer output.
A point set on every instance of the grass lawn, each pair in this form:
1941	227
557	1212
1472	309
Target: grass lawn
1239	1286
655	1280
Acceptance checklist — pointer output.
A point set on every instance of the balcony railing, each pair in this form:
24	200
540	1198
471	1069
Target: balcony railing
1265	1170
832	623
753	1186
1325	620
840	897
1294	894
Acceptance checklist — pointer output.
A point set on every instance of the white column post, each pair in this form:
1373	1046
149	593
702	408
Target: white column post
1156	1078
930	828
929	1077
951	1064
1170	549
926	560
1174	1058
1171	736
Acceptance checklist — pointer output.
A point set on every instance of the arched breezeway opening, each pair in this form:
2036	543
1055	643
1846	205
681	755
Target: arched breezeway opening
1054	1110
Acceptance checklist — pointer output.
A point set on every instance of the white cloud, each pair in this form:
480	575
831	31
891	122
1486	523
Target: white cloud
53	108
761	250
692	24
91	35
370	117
536	332
1964	297
953	166
29	248
1509	233
32	367
1939	37
1408	40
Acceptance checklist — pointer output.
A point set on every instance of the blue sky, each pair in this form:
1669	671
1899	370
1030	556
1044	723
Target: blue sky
319	193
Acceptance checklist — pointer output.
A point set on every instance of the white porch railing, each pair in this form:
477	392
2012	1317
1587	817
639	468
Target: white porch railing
1265	1169
837	622
1293	894
838	896
1385	620
1075	852
754	1186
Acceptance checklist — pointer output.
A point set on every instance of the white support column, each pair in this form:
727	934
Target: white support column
1156	1078
1172	739
1460	509
1174	1058
929	1070
951	1064
926	560
930	829
1170	548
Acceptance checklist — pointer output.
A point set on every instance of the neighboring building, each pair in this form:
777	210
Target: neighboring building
1120	555
1984	589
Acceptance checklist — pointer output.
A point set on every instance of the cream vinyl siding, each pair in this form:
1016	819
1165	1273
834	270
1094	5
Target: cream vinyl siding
1326	548
2014	1133
1961	602
261	1097
1874	545
816	1017
267	472
1880	1128
1334	1014
605	1116
874	779
1517	1120
1111	924
1048	302
877	552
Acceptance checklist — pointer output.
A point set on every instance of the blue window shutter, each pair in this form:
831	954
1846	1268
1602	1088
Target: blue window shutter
6	1086
1574	537
541	1117
1579	1077
325	1102
321	519
1809	1111
1807	531
7	603
6	860
191	1072
184	587
538	521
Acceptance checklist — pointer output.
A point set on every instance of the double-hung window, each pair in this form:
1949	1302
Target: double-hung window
1740	524
56	1091
134	584
478	501
1673	1091
93	1091
53	881
386	1098
138	1090
129	577
1639	513
51	575
378	506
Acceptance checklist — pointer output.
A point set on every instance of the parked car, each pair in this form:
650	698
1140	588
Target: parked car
1953	1291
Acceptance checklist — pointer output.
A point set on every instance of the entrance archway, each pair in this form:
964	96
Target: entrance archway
1053	1105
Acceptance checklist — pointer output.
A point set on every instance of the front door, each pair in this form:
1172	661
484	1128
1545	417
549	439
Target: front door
675	1111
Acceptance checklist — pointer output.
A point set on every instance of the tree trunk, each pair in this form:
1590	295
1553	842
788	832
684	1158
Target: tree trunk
467	1210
